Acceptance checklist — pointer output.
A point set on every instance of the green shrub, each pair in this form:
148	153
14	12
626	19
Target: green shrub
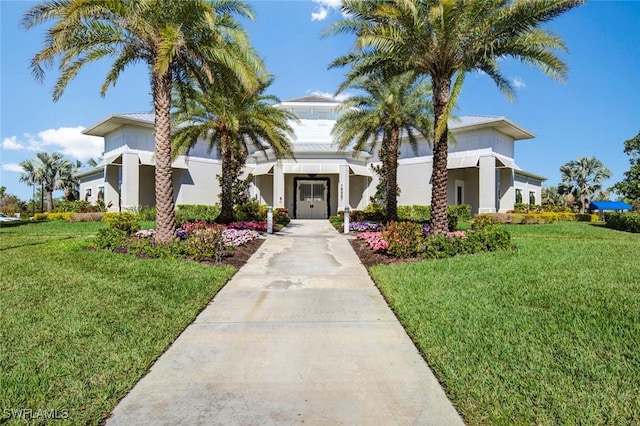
205	244
196	213
145	213
482	221
111	238
538	218
77	206
414	213
250	210
337	221
629	222
281	217
405	238
461	211
54	216
535	208
491	238
487	238
148	247
124	221
422	214
374	211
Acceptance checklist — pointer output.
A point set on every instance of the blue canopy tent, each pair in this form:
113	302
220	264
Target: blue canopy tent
609	206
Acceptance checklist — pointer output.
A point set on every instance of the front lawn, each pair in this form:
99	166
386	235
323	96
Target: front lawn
547	334
79	327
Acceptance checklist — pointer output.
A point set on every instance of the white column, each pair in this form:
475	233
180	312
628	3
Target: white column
487	185
278	186
130	180
343	187
111	177
509	195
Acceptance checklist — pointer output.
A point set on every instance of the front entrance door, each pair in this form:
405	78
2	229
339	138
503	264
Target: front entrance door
312	199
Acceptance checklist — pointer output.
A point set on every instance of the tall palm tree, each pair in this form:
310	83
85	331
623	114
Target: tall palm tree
46	170
231	119
444	40
389	110
173	38
583	179
70	184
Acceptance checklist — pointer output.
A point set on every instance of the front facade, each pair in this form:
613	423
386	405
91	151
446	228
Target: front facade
320	181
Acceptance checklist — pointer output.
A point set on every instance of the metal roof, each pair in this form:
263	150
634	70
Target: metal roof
112	122
320	130
313	99
502	124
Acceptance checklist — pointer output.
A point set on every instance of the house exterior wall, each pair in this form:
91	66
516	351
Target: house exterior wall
90	184
197	184
482	146
414	182
528	184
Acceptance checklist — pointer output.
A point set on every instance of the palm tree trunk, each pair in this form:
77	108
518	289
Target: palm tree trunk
49	192
165	215
439	221
391	159
226	199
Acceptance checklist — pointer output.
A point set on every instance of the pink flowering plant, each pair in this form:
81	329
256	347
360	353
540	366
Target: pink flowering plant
253	225
375	240
233	238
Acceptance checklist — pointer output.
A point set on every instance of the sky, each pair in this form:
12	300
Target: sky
591	114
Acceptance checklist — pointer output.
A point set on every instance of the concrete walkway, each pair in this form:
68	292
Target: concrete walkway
300	335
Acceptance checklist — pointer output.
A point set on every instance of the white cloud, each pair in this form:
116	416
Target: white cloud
340	97
320	14
518	83
12	167
11	143
68	140
324	7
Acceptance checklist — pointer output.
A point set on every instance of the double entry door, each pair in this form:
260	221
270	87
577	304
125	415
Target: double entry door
311	199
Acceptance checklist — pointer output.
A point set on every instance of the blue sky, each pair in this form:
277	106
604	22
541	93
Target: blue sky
592	114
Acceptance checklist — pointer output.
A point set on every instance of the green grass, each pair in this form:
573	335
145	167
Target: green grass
548	334
79	327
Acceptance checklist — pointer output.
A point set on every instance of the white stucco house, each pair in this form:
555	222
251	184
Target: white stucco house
320	181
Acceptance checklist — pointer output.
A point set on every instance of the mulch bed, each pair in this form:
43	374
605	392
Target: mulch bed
371	258
238	257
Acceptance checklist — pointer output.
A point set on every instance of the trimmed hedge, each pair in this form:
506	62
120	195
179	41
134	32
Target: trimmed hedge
196	213
539	218
54	216
629	222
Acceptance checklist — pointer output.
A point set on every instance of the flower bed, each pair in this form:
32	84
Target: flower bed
364	226
407	240
200	241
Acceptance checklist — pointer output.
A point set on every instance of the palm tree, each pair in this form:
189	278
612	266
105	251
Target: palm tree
389	110
445	40
583	178
46	170
173	38
69	183
231	119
